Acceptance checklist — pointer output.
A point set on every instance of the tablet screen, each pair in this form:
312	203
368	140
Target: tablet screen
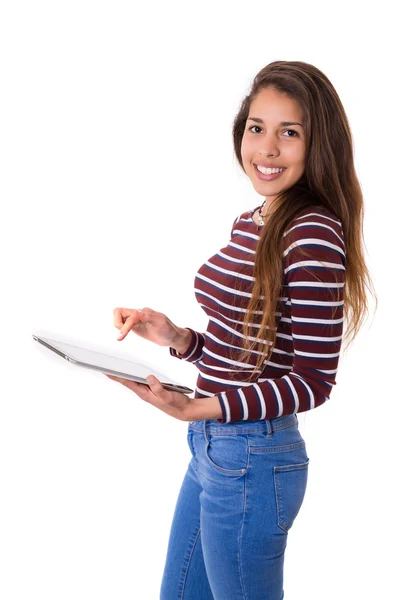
104	361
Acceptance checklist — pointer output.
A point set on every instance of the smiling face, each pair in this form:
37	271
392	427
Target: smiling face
273	137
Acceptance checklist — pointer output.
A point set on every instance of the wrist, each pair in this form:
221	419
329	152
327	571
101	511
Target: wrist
206	408
182	341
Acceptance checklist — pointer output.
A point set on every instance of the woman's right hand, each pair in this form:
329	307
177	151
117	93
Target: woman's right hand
150	325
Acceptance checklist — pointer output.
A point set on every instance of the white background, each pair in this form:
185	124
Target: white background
118	181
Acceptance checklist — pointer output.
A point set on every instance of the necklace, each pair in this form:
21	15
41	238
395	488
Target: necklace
261	216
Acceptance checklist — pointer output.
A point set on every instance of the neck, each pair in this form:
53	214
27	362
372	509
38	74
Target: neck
265	209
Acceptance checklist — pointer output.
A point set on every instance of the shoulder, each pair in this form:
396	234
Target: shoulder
314	221
318	213
316	228
244	216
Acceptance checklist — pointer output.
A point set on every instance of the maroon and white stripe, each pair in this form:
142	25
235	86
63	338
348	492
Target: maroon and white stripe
302	369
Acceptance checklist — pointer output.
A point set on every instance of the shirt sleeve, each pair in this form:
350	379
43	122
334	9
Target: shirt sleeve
195	349
317	327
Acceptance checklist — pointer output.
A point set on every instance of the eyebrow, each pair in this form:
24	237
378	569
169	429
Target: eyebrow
282	123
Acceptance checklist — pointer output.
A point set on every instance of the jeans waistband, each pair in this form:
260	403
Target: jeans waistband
263	426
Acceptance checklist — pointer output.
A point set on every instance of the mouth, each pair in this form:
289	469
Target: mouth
271	177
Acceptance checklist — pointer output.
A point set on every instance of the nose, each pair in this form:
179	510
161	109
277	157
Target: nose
269	146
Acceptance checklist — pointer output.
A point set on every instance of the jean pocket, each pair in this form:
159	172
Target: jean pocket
227	454
190	443
266	446
290	483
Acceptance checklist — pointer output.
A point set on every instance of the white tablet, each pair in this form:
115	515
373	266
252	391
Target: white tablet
112	365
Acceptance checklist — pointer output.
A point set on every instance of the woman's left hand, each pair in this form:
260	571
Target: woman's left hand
174	404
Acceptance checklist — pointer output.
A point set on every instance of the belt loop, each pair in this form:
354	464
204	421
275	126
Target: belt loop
269	427
205	429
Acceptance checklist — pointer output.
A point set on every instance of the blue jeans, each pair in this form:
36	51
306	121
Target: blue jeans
242	491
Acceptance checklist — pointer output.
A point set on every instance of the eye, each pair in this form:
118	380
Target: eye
252	127
293	131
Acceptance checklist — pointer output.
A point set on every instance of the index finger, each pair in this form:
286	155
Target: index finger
135	317
117	314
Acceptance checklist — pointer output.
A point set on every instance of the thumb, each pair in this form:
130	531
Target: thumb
155	385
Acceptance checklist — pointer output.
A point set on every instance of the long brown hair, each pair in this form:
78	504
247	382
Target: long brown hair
329	181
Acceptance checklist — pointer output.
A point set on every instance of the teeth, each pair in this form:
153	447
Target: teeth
268	171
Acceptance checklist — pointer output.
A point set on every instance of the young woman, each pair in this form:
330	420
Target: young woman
276	296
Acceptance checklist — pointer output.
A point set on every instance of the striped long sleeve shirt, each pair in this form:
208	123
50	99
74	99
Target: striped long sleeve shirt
301	371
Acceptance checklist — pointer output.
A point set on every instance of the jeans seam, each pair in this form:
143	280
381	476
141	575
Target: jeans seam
240	537
188	563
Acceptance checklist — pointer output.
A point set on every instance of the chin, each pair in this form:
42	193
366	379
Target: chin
268	189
